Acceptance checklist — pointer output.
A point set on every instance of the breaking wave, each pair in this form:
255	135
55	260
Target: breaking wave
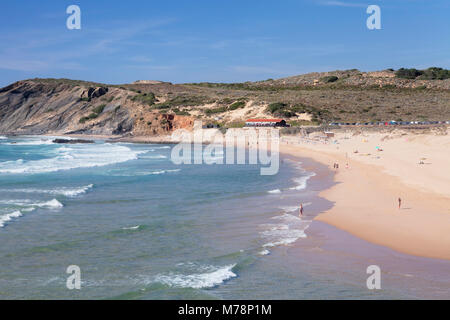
8	217
287	230
131	228
29	203
210	279
31	143
64	191
302	181
72	158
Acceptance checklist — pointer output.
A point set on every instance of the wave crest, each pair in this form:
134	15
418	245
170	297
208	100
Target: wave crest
199	281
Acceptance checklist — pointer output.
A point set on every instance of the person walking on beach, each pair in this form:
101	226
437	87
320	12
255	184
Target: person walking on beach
301	210
399	203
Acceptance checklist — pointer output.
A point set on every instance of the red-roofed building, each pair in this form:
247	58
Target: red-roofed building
265	123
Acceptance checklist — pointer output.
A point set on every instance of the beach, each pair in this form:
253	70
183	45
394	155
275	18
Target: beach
382	167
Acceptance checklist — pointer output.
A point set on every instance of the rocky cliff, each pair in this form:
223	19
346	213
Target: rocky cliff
75	107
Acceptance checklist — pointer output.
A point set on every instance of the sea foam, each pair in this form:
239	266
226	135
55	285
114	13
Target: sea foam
63	191
83	156
287	230
30	203
302	181
31	143
8	217
209	279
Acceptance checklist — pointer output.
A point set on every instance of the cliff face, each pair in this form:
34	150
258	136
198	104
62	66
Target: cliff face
68	107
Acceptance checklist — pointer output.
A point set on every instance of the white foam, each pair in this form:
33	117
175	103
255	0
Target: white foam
51	204
274	191
131	228
31	143
8	217
3	138
302	181
163	171
81	156
29	203
142	173
159	156
64	191
200	280
288	209
264	252
288	229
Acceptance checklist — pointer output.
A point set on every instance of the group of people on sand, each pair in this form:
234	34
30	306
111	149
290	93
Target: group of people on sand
336	166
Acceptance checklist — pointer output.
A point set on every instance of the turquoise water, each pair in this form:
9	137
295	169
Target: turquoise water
140	227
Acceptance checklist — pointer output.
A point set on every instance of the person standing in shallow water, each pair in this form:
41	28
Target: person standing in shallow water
301	210
399	202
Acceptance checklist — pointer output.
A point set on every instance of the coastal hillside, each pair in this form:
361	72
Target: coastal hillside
149	108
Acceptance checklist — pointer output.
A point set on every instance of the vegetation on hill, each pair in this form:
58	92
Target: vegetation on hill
427	74
95	113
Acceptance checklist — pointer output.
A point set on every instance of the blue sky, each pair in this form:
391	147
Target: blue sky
219	41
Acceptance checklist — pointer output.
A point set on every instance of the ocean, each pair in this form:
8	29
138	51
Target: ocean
140	227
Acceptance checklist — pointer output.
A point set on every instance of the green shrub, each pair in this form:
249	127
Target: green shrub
237	105
215	110
99	109
179	112
276	107
432	73
145	98
329	79
236	124
408	73
186	100
161	106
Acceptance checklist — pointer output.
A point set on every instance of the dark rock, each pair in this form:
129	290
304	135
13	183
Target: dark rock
75	141
98	92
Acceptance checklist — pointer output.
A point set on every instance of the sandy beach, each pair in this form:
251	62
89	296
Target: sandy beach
383	166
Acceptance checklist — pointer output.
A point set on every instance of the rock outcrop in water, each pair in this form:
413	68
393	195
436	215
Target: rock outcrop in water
72	141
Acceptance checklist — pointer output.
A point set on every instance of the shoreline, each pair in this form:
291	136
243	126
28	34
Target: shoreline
364	205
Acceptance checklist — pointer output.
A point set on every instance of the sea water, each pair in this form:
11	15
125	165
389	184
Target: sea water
140	227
